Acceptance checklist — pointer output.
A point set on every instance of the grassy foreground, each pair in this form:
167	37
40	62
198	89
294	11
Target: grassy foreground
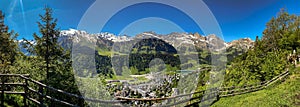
286	94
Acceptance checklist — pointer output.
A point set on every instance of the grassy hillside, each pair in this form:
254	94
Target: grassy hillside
286	94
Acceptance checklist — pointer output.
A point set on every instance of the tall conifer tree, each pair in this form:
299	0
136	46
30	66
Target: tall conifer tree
46	46
8	47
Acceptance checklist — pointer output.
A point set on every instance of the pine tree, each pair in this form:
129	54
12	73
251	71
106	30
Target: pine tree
8	47
46	46
57	62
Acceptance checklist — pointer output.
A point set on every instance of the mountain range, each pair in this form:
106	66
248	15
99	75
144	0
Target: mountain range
107	40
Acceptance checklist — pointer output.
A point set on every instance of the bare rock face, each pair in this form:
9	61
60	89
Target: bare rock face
244	44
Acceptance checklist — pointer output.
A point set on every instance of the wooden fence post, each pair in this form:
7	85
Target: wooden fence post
41	96
2	90
175	91
26	92
81	101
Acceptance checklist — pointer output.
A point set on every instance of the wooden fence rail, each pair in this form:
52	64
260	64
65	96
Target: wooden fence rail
5	83
41	92
224	92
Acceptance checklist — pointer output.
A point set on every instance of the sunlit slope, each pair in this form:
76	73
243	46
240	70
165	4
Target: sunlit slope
285	94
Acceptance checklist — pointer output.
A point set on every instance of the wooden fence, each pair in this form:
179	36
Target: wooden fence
231	91
40	92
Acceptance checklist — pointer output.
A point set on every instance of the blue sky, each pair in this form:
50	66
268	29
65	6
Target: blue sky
237	18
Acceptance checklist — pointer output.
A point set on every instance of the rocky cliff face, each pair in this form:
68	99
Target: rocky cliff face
245	44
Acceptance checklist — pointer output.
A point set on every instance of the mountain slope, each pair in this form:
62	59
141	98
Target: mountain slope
279	95
148	45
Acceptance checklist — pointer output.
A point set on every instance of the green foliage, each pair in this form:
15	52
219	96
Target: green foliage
285	94
8	57
50	63
282	32
29	65
13	100
125	71
46	46
253	67
269	56
94	88
8	48
134	70
142	61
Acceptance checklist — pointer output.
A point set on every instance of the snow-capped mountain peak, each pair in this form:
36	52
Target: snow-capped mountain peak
67	37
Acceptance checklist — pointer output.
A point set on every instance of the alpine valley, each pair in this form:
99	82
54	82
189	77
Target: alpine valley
149	46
